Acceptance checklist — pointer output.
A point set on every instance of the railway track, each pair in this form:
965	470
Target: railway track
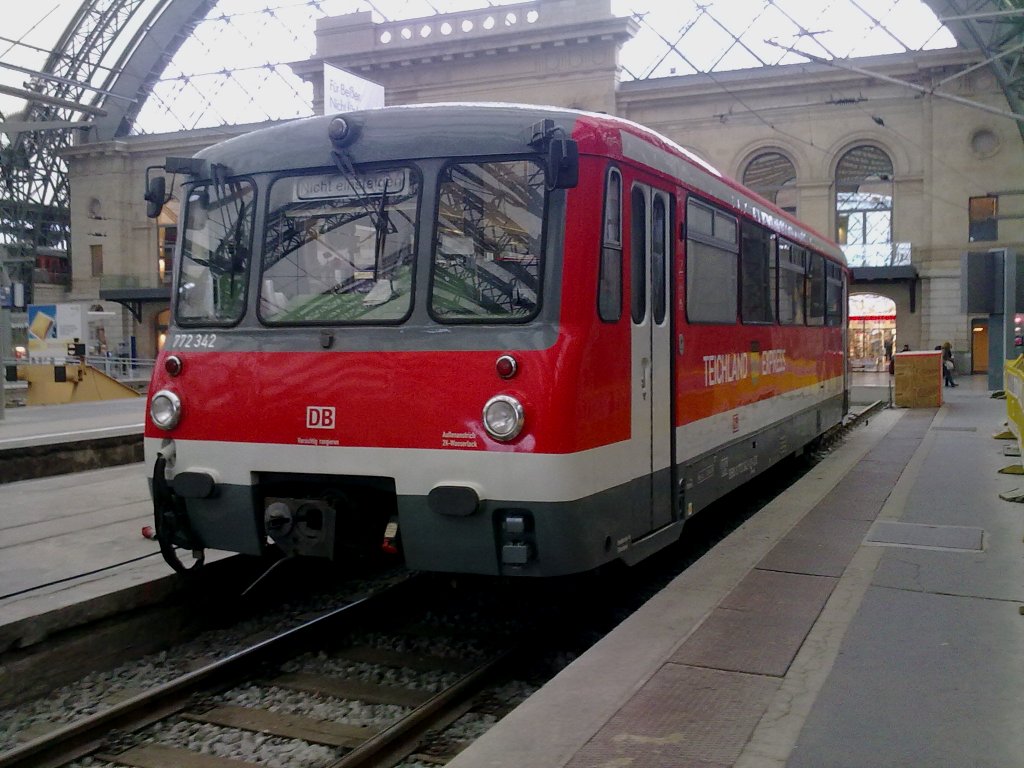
422	691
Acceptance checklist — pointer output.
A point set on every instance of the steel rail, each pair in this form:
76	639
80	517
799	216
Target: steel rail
397	742
84	736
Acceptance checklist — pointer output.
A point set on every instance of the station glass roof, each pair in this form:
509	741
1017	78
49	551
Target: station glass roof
229	71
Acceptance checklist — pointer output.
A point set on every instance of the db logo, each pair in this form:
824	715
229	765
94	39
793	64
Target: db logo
319	417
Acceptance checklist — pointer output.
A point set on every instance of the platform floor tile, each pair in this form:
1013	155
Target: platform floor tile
821	545
959	537
684	716
894	452
847	506
760	625
868	486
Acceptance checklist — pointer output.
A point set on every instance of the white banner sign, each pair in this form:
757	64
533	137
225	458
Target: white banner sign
345	92
51	327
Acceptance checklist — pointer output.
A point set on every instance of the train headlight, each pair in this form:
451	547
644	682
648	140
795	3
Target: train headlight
503	417
165	409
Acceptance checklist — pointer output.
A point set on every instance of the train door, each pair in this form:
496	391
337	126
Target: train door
651	334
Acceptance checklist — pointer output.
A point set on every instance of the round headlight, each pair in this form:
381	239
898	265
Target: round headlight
165	409
503	417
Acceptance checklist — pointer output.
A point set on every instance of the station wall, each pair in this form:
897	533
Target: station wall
943	150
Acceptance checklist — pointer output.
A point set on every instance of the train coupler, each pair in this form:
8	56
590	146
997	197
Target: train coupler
171	523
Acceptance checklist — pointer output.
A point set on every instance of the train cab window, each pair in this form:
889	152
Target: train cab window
638	256
833	295
339	248
711	264
487	262
217	243
792	283
609	290
757	274
816	290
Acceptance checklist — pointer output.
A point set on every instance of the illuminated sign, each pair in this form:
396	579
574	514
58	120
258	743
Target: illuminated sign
354	185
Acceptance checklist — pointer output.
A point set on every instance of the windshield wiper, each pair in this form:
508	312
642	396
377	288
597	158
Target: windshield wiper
348	170
381	226
378	215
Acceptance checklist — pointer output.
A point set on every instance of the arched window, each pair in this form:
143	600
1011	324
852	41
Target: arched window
872	331
864	207
773	176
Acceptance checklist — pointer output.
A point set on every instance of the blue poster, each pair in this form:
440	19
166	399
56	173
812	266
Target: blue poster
42	321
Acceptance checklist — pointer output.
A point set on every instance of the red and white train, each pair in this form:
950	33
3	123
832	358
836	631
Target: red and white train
513	340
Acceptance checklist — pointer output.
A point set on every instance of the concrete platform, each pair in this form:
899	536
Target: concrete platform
49	424
869	616
69	542
72	551
41	441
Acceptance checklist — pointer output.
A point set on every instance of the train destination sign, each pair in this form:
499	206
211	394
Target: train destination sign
353	185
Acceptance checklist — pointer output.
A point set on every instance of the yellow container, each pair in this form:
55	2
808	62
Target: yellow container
1013	385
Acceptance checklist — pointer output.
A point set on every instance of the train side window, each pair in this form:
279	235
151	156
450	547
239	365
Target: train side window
609	289
725	227
792	283
638	256
757	275
833	295
712	249
816	290
659	254
700	220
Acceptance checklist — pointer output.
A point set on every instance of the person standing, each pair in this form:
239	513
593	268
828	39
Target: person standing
948	365
892	360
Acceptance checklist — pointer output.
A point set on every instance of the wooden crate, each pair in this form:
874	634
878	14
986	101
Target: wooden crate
918	379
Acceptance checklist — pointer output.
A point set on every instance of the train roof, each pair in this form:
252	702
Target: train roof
412	131
422	131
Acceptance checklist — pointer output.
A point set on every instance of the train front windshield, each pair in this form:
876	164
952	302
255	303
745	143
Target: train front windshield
216	247
341	248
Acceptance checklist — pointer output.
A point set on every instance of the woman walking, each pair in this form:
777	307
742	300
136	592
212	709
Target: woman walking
948	364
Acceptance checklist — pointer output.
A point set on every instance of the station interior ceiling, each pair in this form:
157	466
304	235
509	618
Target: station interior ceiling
124	67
